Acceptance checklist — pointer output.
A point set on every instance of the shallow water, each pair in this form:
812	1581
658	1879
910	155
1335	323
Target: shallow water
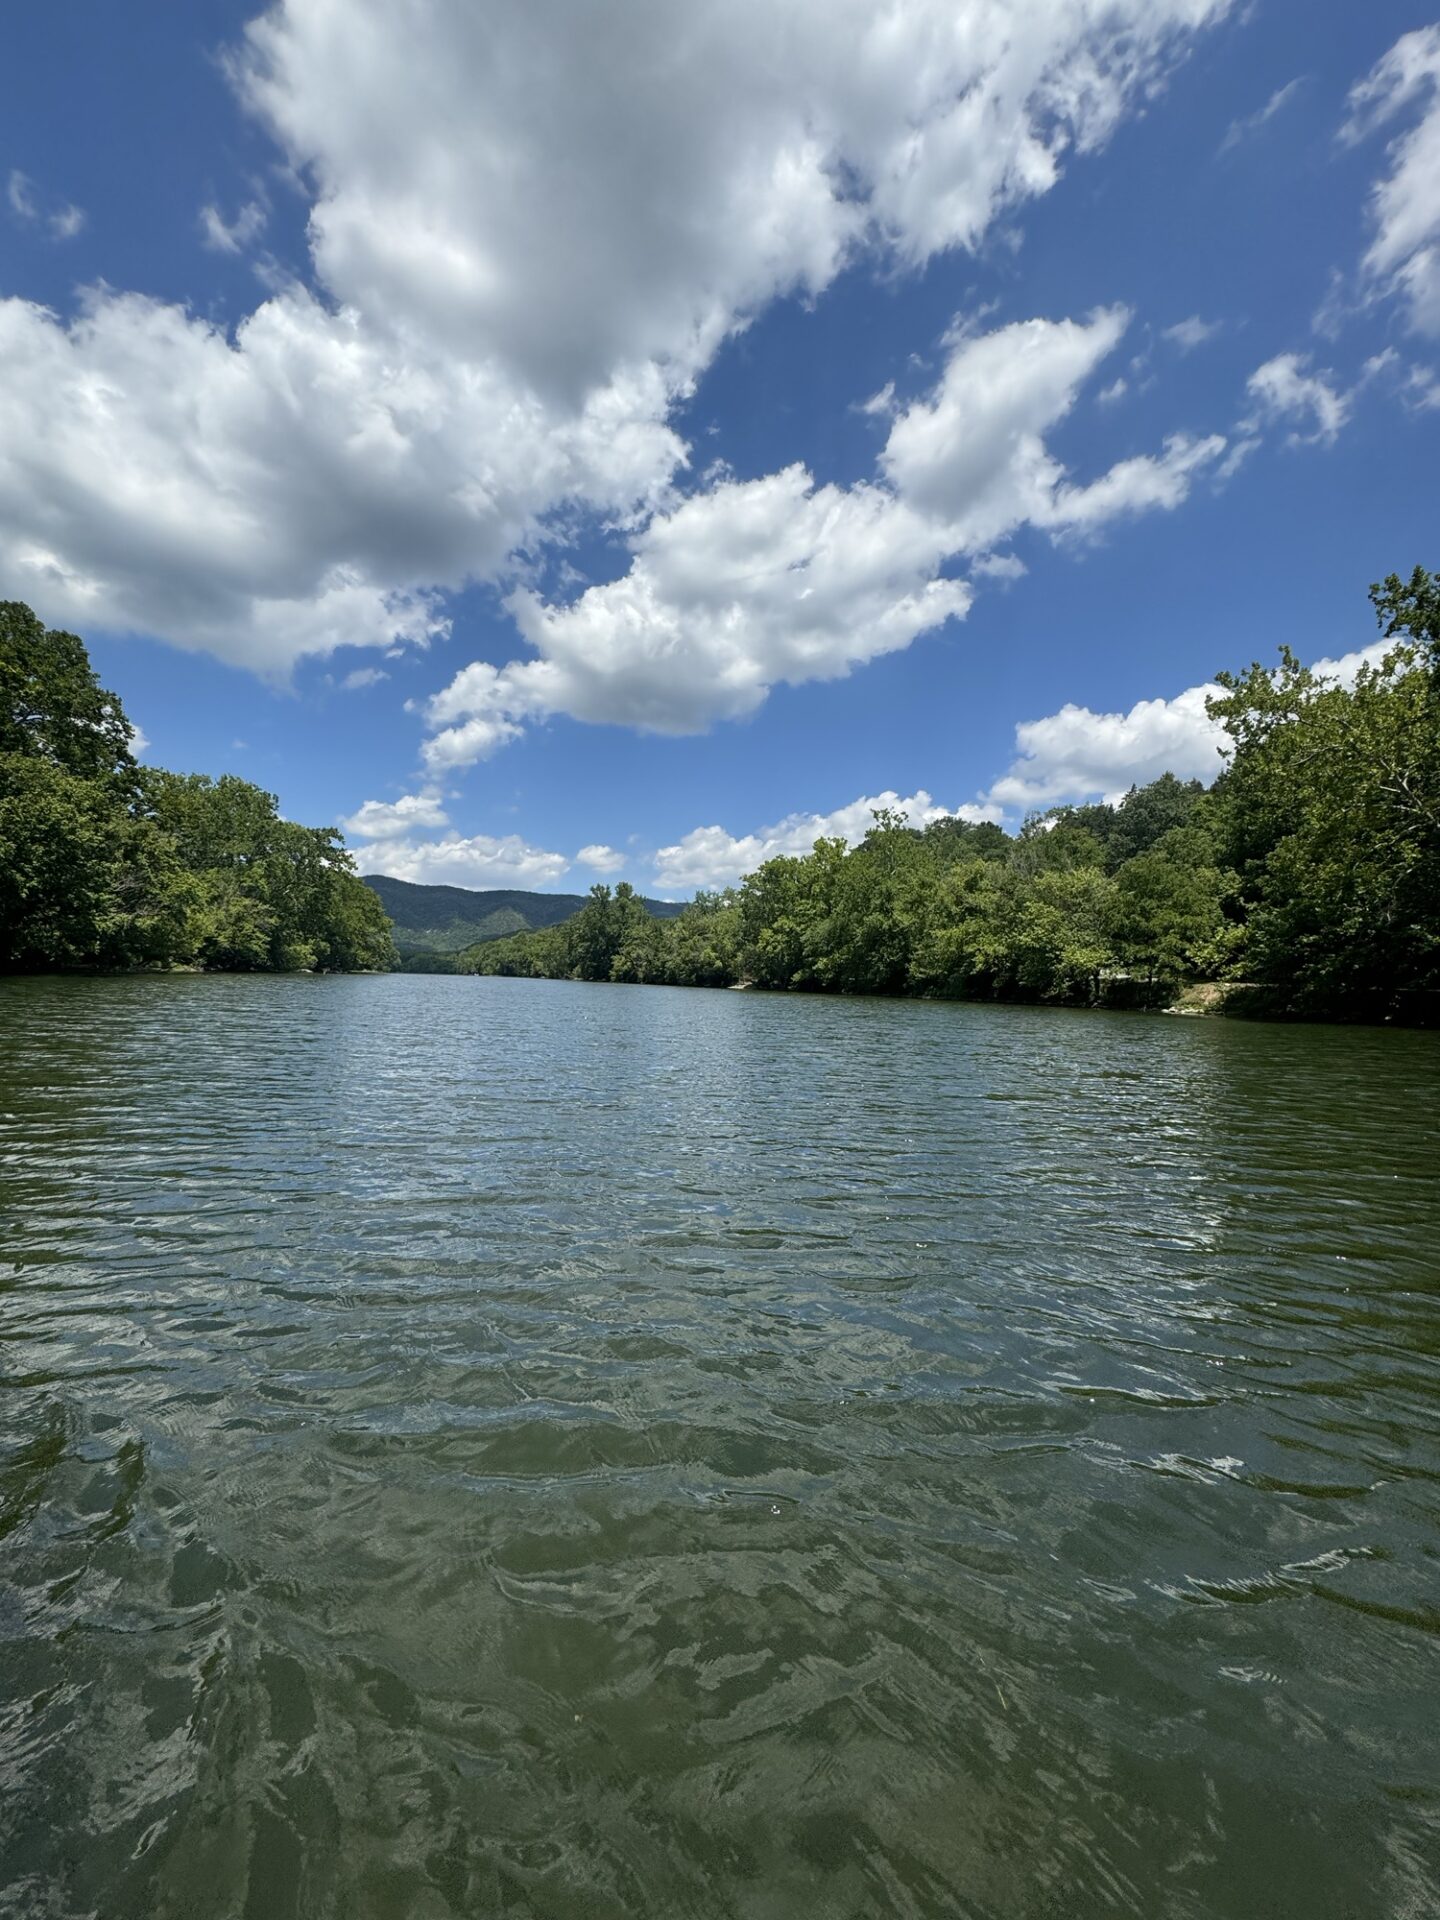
486	1447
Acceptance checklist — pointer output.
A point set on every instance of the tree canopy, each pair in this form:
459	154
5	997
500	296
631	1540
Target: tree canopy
106	863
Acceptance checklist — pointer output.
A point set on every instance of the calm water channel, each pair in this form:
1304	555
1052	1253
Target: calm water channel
485	1447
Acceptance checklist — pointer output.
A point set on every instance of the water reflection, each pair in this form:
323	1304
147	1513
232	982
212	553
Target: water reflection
488	1446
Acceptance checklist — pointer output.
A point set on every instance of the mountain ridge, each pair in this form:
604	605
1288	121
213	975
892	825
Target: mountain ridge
441	919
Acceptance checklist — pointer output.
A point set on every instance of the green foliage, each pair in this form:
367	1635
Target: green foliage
81	878
1312	865
1330	813
446	920
615	936
52	707
104	863
1168	919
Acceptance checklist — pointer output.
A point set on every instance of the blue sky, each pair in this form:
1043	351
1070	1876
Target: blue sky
579	443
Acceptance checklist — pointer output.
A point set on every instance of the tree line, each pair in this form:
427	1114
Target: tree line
107	863
1311	868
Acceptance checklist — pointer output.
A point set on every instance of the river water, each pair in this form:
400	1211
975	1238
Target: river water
489	1447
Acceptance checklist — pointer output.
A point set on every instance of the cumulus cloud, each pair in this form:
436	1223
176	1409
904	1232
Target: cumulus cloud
278	494
972	456
394	819
1403	257
737	589
681	175
1285	389
1077	754
751	584
478	860
1142	484
713	857
600	859
531	228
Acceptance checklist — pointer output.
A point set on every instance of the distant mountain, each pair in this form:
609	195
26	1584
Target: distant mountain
447	919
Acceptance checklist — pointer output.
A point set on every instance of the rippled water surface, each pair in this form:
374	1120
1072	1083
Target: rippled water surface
486	1447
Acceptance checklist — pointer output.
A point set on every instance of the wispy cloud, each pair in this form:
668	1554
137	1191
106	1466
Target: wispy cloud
232	236
1241	130
21	196
61	222
1189	334
1403	258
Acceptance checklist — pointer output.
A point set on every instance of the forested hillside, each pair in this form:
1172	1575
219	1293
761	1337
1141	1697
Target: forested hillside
1311	867
105	863
443	920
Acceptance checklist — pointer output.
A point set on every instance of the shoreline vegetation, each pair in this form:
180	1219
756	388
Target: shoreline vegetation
1304	882
109	865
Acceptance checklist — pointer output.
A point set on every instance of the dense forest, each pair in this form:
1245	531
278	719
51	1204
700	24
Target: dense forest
106	863
1310	869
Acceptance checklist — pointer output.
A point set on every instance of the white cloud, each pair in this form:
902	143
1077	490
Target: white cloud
1344	670
360	677
737	589
972	456
712	857
1189	334
1116	390
1241	130
232	236
139	741
477	861
531	229
20	194
1285	390
1142	484
1005	567
753	584
279	494
63	222
393	819
1404	255
1076	754
681	179
600	859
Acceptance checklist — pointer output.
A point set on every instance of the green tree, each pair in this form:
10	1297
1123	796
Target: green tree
53	708
1169	919
1148	813
81	880
1330	813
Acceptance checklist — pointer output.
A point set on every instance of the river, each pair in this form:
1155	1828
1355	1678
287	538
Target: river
493	1447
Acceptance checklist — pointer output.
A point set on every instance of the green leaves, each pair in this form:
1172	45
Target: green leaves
103	863
1330	813
52	708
